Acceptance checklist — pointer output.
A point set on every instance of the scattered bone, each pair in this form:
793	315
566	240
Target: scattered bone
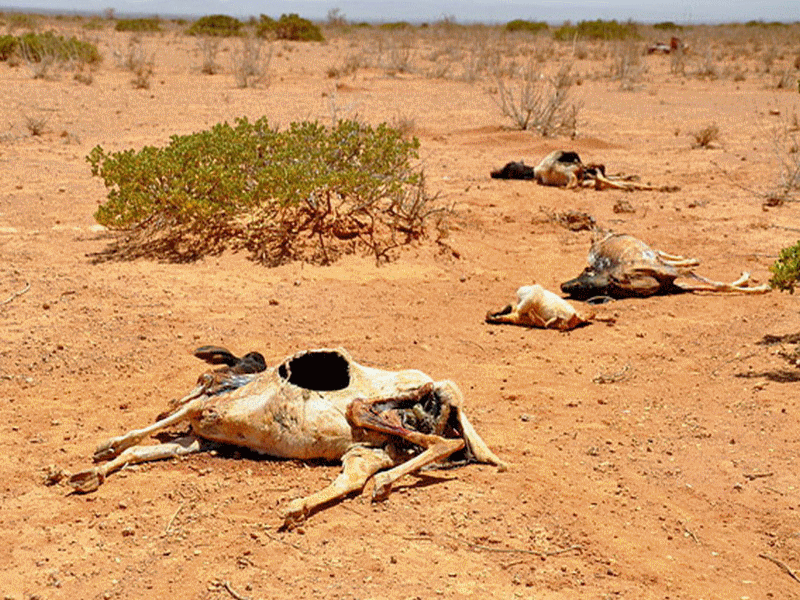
621	266
538	307
318	404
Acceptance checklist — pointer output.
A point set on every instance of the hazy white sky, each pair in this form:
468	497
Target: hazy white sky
488	11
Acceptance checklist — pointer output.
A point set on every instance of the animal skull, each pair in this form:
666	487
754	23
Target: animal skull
318	404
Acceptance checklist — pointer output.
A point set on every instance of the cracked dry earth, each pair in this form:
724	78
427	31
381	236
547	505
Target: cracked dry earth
651	457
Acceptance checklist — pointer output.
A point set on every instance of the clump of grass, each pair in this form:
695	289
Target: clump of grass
308	193
706	137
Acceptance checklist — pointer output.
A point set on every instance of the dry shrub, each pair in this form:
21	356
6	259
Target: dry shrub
250	64
209	48
706	137
536	102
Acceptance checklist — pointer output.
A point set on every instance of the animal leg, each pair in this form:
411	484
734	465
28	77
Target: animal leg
439	449
738	286
675	260
505	315
114	446
90	479
358	465
475	442
602	182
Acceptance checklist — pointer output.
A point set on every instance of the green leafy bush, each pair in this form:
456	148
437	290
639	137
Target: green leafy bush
38	46
598	30
138	25
216	25
296	28
786	270
308	193
396	26
528	26
667	26
8	44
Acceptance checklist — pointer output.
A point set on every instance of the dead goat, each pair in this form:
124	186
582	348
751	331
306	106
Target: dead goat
318	404
622	266
562	168
538	307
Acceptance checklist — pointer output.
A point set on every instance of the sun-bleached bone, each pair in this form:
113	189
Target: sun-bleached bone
538	307
620	266
317	404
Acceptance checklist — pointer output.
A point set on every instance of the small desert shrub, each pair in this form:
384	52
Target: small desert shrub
94	24
526	26
8	45
785	142
597	30
41	46
706	137
626	66
533	101
290	27
138	25
140	64
667	26
349	66
309	192
396	26
295	28
216	25
35	124
209	48
250	65
786	270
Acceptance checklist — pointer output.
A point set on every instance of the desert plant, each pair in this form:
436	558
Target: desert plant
216	25
308	192
209	48
8	45
35	124
786	270
140	64
40	46
250	65
539	102
706	136
138	25
526	26
296	28
626	66
597	30
784	140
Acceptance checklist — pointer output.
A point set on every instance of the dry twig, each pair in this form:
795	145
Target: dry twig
782	565
17	294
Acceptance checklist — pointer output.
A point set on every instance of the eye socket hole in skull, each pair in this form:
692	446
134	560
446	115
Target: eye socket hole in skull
318	371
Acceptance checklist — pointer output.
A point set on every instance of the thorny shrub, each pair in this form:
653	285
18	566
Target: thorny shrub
216	25
289	27
306	193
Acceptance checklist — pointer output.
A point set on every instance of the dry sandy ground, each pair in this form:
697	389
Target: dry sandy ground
652	458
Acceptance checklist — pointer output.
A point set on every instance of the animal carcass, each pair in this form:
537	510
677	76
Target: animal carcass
538	307
318	404
622	266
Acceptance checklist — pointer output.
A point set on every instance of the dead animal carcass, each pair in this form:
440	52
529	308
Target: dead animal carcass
318	404
562	168
538	307
622	266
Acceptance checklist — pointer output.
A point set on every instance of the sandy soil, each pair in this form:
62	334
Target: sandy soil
652	458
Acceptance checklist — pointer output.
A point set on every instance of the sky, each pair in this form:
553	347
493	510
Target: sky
464	11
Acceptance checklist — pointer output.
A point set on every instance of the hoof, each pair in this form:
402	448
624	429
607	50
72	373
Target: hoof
86	481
